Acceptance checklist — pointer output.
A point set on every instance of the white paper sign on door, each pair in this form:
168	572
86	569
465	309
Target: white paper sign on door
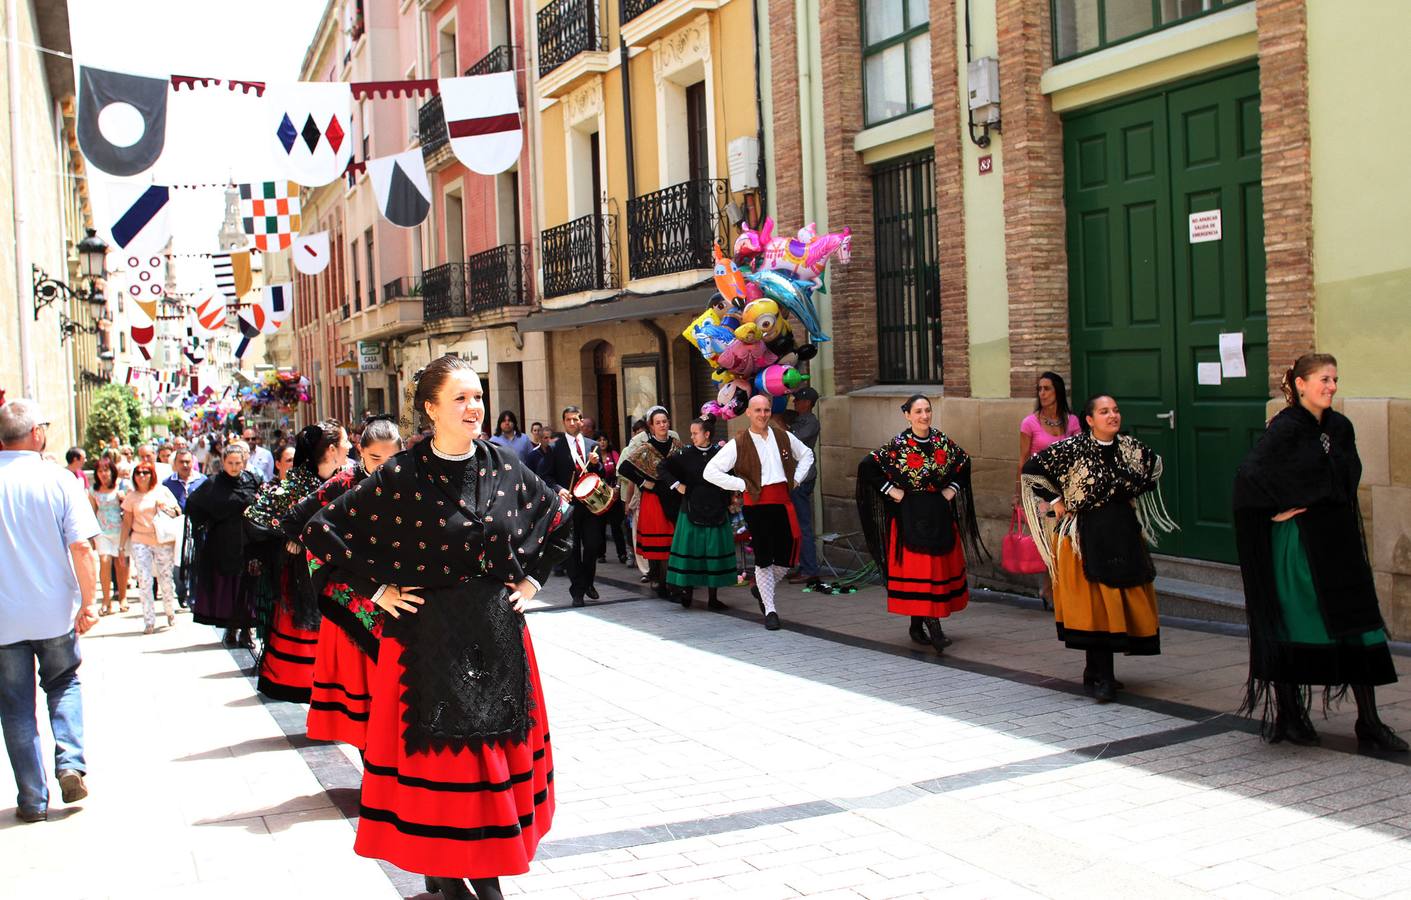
1232	354
1205	226
1207	373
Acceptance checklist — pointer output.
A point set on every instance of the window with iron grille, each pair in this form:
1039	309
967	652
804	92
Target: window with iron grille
896	58
1082	26
908	276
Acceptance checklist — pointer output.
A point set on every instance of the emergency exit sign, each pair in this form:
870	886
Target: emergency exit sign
1205	226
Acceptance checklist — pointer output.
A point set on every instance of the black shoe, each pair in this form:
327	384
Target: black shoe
578	601
938	637
918	631
622	560
1105	690
449	888
592	593
31	815
1297	730
246	639
645	578
603	558
771	621
713	603
72	786
1090	684
1378	737
685	599
229	638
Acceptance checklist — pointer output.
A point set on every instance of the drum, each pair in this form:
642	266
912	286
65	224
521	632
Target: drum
595	494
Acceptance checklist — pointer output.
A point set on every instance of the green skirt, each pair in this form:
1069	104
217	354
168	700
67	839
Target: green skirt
701	555
1308	654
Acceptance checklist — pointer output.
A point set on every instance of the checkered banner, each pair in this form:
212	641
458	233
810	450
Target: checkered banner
270	210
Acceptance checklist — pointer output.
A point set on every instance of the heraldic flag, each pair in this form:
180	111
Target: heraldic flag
99	89
209	313
482	120
403	193
233	276
142	226
270	210
309	124
311	253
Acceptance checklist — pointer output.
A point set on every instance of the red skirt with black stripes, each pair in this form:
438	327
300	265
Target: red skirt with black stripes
342	694
654	529
452	813
925	584
287	664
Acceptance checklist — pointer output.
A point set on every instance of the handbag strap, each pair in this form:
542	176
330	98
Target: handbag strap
1014	523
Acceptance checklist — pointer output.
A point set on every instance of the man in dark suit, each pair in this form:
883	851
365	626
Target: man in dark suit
573	454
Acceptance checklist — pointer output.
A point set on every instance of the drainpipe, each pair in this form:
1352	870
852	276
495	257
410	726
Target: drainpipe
23	287
803	47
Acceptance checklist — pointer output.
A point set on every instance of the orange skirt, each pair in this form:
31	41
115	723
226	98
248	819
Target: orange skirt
1093	616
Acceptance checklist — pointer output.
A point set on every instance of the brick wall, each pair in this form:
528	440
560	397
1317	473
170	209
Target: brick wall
1034	220
1287	181
787	162
950	200
849	191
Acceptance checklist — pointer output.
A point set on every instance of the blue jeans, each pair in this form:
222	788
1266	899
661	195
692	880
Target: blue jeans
803	507
58	675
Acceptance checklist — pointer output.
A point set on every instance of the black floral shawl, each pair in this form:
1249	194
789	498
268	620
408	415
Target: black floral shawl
641	462
275	567
1111	492
1302	462
457	531
926	521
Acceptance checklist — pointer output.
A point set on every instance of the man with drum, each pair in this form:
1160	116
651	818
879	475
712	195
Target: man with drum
767	463
572	457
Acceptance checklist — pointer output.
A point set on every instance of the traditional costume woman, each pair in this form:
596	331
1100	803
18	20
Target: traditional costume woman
1104	600
286	603
215	512
656	516
458	770
920	542
1309	596
703	545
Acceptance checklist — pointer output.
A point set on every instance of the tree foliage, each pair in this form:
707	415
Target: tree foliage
115	411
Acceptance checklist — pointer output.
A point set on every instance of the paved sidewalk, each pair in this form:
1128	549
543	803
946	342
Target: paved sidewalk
698	755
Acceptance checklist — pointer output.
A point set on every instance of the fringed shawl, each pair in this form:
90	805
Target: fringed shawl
457	531
926	521
266	541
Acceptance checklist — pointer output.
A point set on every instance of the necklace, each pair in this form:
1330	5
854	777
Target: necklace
1047	422
452	457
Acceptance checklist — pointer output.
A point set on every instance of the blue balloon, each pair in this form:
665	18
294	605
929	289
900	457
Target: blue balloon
795	296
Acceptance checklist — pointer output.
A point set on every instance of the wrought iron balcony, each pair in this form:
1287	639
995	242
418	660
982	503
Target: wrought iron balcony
346	311
580	255
498	277
443	292
501	59
431	126
566	29
371	296
405	286
672	230
631	9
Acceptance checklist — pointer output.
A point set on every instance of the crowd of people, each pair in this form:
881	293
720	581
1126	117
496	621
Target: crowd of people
383	582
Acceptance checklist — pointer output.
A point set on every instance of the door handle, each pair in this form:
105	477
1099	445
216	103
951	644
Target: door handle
1170	417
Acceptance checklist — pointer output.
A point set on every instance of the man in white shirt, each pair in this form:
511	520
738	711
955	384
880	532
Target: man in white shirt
261	460
46	602
767	463
148	454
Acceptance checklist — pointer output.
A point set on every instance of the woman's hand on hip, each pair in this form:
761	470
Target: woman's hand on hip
396	600
895	493
1059	509
1289	514
521	593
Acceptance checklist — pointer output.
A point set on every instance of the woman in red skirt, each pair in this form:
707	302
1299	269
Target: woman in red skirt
284	594
656	518
918	516
456	534
346	652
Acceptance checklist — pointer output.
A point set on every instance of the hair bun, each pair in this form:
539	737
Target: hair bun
416	376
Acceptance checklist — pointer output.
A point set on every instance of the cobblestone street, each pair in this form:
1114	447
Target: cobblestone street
698	755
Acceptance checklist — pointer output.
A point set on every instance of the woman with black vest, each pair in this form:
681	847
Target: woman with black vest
703	547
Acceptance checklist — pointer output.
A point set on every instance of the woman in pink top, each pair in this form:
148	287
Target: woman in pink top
1050	422
154	560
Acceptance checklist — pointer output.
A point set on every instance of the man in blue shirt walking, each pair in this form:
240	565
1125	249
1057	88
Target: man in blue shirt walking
46	602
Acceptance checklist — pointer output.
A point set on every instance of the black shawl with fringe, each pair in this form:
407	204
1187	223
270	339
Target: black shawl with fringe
926	521
1302	462
456	531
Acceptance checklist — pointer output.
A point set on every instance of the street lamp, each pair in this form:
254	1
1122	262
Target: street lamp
92	253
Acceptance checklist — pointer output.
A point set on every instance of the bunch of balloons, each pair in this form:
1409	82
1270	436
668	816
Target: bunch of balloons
284	390
746	334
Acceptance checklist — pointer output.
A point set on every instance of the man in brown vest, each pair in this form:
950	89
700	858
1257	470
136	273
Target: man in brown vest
767	463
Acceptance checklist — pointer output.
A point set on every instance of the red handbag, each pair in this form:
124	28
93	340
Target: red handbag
1018	553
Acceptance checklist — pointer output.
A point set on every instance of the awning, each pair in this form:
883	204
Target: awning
622	308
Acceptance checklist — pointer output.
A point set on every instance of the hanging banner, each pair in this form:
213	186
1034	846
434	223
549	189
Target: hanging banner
98	91
311	253
275	304
233	275
209	313
310	124
143	217
403	192
270	211
482	120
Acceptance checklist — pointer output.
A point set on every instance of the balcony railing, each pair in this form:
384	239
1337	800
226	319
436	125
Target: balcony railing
443	292
580	255
631	9
566	29
672	230
501	59
405	286
346	311
498	277
371	296
431	126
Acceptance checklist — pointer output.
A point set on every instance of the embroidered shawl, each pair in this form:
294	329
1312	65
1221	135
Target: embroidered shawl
280	575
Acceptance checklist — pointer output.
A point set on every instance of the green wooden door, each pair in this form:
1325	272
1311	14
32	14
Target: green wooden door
1146	305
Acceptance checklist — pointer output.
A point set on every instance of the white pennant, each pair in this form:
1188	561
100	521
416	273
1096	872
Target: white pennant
482	120
311	253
